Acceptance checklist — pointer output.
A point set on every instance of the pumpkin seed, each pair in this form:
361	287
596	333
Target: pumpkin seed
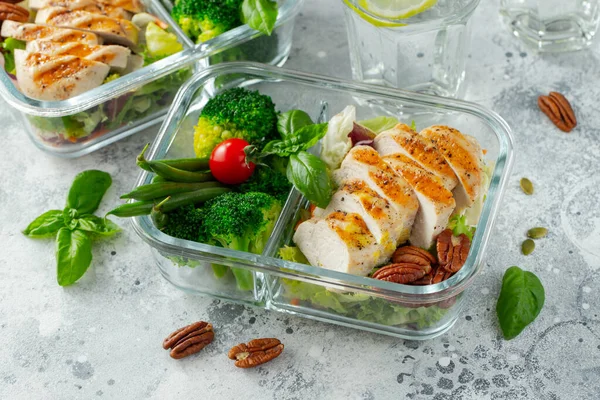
537	233
527	186
527	247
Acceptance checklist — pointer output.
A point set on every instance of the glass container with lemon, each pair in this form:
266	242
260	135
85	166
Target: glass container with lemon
418	45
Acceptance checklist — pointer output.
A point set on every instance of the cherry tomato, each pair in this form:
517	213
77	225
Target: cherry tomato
228	162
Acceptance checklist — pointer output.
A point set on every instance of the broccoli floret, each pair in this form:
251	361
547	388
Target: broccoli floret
184	222
235	113
268	180
241	221
202	20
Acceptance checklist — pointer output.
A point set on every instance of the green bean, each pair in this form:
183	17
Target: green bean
186	164
159	218
158	179
177	200
132	209
171	173
195	197
162	189
178	175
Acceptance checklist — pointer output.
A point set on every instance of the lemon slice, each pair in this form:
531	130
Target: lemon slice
396	9
390	9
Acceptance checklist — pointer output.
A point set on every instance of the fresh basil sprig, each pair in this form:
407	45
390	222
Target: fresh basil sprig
308	173
521	299
311	177
260	15
299	140
291	121
75	226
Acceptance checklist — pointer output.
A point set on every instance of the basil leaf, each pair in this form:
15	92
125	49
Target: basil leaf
311	177
45	225
260	15
87	191
101	226
521	300
73	255
303	139
379	124
291	121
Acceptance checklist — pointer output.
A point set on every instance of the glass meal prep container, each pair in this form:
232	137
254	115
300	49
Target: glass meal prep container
92	120
413	312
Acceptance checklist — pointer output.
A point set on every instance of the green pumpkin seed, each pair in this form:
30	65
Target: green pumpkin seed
527	186
537	233
527	247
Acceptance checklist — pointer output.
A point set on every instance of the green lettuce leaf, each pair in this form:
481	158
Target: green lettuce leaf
9	45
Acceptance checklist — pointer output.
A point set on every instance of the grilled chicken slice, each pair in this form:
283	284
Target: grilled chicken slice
402	139
363	162
45	77
111	55
340	241
464	155
435	201
29	32
113	30
85	5
381	218
134	6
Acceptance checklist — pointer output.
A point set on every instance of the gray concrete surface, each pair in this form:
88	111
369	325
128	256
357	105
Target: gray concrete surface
101	338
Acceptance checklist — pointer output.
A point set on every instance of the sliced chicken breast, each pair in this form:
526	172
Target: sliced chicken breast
464	155
134	6
28	32
363	162
435	201
85	5
113	30
402	139
381	218
340	241
45	77
111	55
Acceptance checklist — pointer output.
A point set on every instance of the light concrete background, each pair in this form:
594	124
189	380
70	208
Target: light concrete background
101	338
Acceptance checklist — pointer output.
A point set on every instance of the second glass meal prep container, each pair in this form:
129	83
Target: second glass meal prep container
413	312
92	120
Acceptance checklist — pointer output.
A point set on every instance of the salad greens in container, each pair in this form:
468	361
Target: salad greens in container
129	97
413	289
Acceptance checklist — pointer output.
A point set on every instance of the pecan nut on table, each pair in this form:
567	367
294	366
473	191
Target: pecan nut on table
559	110
189	339
255	352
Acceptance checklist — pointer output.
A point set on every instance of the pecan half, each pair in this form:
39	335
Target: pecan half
255	352
403	273
413	254
559	110
13	12
439	275
452	251
189	339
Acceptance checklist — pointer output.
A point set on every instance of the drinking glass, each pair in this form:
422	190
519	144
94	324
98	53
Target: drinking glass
424	53
553	25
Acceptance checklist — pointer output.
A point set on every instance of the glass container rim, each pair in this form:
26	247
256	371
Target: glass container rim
142	76
391	23
437	292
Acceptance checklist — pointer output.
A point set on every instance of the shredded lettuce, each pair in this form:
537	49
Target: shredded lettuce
379	124
9	45
458	224
336	143
292	253
111	77
161	43
356	305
